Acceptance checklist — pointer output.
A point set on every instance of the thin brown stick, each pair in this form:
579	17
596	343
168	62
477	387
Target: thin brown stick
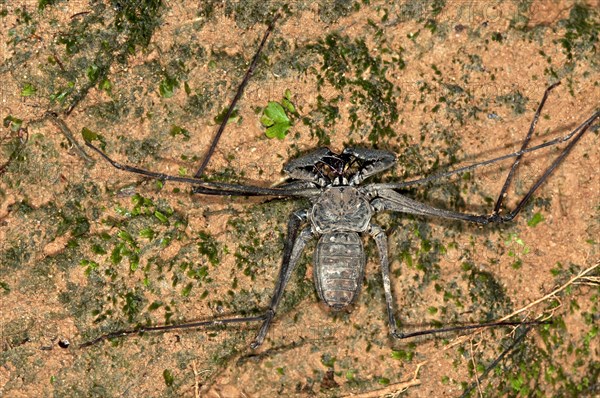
196	381
554	292
559	289
476	375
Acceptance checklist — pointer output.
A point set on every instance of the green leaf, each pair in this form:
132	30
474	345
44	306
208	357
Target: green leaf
278	130
403	355
161	217
124	235
535	219
60	96
12	122
115	255
187	289
208	247
221	116
288	105
134	262
266	121
169	378
92	73
275	117
28	90
147	233
88	135
167	87
106	85
176	130
275	112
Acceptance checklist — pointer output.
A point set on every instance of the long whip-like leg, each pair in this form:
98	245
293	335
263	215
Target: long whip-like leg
380	238
496	217
293	247
291	253
502	194
211	188
555	141
387	199
166	328
235	99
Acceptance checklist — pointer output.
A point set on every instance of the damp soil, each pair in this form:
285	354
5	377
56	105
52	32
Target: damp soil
87	250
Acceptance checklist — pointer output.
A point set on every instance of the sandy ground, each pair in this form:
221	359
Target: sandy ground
86	249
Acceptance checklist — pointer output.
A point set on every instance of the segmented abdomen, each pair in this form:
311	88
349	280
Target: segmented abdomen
338	268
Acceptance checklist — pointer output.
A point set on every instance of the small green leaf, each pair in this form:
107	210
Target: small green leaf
266	121
167	87
535	219
176	130
187	289
124	235
97	249
90	266
517	264
278	130
275	117
517	383
208	246
88	135
288	105
134	262
12	122
106	85
169	378
115	255
161	217
61	96
92	73
28	90
403	355
275	112
232	118
147	233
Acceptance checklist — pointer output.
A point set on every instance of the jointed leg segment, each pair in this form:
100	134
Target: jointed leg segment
292	250
387	199
380	238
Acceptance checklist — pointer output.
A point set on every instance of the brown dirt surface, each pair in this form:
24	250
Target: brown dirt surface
86	249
